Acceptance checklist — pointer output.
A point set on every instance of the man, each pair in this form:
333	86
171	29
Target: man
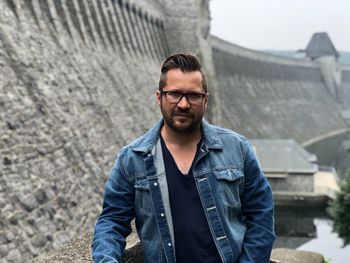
196	191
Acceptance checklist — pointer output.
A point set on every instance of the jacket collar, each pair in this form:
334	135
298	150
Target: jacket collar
147	142
210	136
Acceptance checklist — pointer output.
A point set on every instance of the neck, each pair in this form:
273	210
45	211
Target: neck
180	139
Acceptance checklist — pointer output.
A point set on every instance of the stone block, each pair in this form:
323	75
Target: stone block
9	236
61	201
4	250
40	196
3	239
28	230
14	256
28	202
13	219
39	240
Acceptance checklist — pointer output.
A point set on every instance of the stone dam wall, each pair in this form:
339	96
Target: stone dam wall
270	97
70	97
77	82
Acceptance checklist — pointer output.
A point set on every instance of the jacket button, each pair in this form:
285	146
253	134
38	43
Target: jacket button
162	214
169	244
155	184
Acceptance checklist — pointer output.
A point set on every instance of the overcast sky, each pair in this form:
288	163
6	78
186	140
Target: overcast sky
280	24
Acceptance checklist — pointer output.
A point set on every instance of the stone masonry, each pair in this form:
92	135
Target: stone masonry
70	97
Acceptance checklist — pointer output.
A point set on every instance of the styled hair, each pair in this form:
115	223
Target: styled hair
186	63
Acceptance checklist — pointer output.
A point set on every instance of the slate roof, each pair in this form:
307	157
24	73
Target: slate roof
284	156
321	45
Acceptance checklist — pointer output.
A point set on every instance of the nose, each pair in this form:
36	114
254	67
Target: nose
183	103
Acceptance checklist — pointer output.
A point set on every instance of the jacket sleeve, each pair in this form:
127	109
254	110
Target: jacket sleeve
113	225
258	211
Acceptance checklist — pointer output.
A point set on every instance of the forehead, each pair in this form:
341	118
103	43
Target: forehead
176	79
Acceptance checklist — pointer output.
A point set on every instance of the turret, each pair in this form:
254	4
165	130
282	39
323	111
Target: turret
322	50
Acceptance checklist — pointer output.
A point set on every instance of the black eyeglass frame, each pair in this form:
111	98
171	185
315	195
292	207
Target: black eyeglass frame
165	92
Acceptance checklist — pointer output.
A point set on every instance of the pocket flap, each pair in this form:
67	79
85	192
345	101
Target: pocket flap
229	175
141	184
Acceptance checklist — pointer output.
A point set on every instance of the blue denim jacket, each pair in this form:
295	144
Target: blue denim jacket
235	196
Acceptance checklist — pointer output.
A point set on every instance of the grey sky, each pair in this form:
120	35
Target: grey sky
280	24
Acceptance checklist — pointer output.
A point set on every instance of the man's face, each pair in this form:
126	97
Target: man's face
183	116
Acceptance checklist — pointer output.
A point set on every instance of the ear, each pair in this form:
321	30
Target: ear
206	100
159	97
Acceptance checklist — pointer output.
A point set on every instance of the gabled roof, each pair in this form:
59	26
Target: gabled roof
321	45
284	156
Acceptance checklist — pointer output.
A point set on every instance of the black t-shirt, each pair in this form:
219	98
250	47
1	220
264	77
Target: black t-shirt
193	240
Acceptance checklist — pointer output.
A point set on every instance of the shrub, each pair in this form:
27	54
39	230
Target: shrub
340	210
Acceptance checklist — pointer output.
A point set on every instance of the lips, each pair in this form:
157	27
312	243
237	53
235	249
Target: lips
182	115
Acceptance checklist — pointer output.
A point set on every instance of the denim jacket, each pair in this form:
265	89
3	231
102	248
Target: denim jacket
234	193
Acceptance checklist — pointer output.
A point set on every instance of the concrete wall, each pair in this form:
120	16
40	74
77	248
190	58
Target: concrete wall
293	183
336	154
265	96
331	72
345	87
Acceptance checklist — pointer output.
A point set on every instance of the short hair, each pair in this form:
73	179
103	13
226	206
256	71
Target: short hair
186	63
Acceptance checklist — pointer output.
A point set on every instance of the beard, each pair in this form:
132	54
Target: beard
182	121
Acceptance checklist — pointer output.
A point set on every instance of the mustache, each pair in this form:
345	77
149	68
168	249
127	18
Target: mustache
182	112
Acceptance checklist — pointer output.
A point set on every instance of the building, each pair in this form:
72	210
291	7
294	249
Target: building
294	175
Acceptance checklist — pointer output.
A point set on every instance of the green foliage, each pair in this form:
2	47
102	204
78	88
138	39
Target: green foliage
340	210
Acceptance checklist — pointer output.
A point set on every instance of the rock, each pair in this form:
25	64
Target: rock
9	236
28	202
15	217
12	125
60	238
30	221
4	249
39	240
34	251
14	256
6	236
3	188
43	225
59	221
13	220
6	161
29	231
3	239
61	202
40	196
286	255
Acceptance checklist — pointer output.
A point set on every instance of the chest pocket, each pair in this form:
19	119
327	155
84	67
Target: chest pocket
230	184
143	201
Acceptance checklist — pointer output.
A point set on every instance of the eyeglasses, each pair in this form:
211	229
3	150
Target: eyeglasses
193	98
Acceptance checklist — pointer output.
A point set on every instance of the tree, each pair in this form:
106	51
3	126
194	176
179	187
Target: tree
340	210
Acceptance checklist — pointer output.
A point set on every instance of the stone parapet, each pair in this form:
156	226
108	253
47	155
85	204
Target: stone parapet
79	251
